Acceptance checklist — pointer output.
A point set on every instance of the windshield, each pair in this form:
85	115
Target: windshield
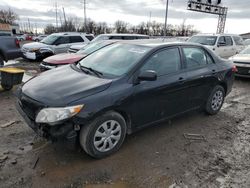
100	37
50	39
89	49
205	40
246	51
115	60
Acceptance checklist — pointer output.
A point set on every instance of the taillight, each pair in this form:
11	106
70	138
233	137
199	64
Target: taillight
17	43
234	69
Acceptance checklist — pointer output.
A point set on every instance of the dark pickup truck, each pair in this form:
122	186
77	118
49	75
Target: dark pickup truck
9	49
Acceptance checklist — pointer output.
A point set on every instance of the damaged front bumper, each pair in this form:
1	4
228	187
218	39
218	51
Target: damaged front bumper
61	131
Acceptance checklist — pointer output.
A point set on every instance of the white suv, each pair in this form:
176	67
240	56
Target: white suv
53	44
223	45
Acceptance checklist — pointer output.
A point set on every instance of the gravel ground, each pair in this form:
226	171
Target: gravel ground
158	156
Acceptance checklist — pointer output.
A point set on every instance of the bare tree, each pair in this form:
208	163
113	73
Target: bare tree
8	16
49	29
121	26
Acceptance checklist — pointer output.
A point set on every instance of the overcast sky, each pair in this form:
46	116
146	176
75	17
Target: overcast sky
42	12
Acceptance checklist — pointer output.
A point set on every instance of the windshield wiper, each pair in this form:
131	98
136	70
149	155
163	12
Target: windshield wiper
97	73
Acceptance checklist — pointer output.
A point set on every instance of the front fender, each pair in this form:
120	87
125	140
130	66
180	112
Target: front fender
46	51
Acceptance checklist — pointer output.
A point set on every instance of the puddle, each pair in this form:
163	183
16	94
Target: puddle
119	184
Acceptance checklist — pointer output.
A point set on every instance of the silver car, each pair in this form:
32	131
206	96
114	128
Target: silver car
52	44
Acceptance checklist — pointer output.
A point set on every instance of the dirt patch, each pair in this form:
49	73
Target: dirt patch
158	156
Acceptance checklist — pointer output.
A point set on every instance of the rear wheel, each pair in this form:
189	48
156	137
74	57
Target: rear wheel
104	135
215	100
6	87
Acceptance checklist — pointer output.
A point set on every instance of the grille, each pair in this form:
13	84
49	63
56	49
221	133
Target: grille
243	70
244	63
30	106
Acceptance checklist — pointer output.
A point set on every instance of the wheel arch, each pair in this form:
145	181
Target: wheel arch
224	85
127	119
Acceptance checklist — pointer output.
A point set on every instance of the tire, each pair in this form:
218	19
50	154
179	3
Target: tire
1	61
215	100
98	145
6	87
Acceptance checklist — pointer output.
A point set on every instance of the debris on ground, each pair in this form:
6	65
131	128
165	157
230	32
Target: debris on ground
13	161
6	152
42	173
35	163
8	124
3	158
194	137
229	130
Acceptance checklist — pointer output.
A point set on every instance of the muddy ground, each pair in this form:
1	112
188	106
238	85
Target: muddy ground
158	156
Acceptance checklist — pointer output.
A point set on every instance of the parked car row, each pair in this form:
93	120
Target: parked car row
223	45
9	48
53	44
71	58
121	87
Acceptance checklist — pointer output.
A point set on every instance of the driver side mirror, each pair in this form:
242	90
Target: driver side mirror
148	75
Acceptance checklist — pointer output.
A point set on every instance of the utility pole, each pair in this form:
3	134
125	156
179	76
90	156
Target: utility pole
166	20
64	15
36	28
29	25
56	17
150	16
85	15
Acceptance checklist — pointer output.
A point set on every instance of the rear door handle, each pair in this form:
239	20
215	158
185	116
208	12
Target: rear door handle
181	80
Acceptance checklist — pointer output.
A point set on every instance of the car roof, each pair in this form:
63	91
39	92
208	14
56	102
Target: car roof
122	34
155	43
215	35
69	33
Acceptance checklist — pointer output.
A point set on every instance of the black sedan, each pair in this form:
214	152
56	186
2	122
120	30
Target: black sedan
122	88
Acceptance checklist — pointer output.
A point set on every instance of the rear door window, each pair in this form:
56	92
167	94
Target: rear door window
164	62
129	37
76	39
238	40
196	57
229	41
115	38
89	37
63	40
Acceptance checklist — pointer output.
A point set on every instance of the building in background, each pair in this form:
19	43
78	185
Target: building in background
245	36
10	29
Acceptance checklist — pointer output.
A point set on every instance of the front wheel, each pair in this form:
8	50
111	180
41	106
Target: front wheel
215	100
104	135
6	87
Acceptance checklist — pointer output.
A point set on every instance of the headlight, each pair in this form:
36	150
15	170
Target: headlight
53	115
34	49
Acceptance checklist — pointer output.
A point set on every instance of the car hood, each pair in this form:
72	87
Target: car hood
78	46
65	58
62	86
241	58
35	45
